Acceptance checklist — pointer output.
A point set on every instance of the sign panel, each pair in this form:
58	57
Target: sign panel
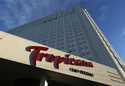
30	53
37	56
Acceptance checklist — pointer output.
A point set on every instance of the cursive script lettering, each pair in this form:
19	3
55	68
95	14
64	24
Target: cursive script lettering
36	55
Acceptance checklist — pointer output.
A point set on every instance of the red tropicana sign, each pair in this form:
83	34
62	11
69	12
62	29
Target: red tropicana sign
37	55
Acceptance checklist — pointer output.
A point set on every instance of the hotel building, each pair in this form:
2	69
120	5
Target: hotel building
65	49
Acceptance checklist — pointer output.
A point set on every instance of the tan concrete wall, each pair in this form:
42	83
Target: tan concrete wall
13	48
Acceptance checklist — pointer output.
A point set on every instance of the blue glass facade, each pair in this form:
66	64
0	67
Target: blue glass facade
67	31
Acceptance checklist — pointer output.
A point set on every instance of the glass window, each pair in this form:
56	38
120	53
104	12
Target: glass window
60	39
71	45
61	47
85	47
70	40
87	52
60	43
